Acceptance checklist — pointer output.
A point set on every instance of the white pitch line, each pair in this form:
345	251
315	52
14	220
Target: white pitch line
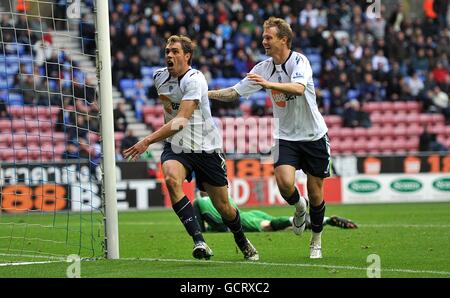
249	263
400	225
403	225
292	265
27	263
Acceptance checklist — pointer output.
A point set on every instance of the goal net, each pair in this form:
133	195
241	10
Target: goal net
50	146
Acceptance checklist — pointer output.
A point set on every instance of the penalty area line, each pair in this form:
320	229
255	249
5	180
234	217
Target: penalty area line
292	265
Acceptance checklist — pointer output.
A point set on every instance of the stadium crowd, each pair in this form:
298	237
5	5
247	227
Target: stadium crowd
355	55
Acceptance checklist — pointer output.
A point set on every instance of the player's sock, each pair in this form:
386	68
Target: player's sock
294	198
235	227
317	214
280	223
185	212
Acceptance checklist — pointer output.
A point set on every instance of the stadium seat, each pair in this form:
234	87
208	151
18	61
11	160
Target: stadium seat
401	117
159	110
414	130
400	106
148	110
334	132
413	106
437	119
447	131
388	118
333	121
376	117
386	106
5	125
5	140
400	131
346	132
413	118
359	146
360	132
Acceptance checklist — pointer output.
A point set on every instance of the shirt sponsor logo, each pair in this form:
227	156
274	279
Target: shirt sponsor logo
281	98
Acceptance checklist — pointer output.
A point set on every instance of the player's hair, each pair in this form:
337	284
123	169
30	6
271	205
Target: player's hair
284	29
186	44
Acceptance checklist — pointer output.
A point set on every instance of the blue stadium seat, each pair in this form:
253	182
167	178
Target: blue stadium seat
352	94
127	84
232	81
14	99
147	71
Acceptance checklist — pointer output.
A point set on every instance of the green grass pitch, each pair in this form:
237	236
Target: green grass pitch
412	240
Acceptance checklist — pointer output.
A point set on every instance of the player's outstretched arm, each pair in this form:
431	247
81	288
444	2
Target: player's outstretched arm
291	88
227	94
187	108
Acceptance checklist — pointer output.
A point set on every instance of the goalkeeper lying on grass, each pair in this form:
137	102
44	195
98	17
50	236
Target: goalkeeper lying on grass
254	220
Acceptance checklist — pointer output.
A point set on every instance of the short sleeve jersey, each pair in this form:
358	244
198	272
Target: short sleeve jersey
298	117
201	133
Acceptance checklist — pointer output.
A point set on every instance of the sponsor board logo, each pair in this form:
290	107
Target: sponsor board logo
442	184
406	185
364	186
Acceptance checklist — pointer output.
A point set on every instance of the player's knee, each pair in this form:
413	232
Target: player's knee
285	187
172	183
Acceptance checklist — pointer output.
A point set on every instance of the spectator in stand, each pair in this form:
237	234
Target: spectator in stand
337	101
120	119
228	28
3	110
353	116
150	53
414	86
139	99
72	151
441	74
369	89
441	103
129	140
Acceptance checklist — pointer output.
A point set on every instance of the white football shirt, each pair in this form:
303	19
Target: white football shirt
299	117
201	133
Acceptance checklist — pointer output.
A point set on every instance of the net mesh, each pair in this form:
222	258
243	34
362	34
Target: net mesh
50	174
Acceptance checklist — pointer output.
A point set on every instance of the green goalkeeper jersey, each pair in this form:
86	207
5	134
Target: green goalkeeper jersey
206	213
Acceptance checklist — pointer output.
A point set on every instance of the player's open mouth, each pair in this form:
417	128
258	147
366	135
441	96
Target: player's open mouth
170	63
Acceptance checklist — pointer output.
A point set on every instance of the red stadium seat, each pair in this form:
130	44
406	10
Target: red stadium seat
334	132
159	110
376	117
388	118
400	131
414	129
413	118
360	132
447	130
400	106
401	117
5	126
437	119
5	140
147	110
413	106
370	107
18	126
333	120
346	132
